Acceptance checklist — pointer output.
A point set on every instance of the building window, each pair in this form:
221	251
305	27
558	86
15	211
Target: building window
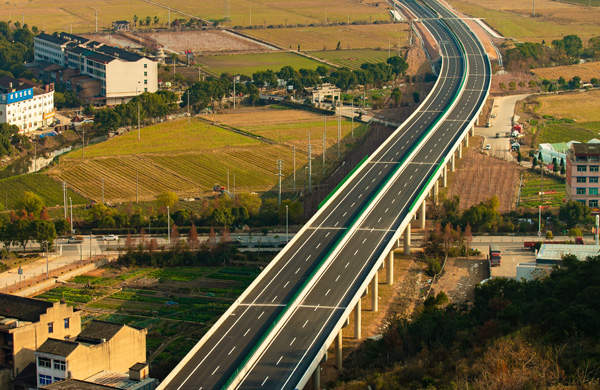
60	365
594	191
581	168
593	180
594	168
66	323
581	191
145	66
594	203
581	179
57	379
45	379
50	327
145	73
145	89
145	81
44	362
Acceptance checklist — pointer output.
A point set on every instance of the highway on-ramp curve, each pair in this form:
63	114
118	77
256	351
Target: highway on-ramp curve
342	238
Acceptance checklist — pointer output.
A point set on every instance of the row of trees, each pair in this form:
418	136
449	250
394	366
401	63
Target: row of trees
563	51
151	106
16	49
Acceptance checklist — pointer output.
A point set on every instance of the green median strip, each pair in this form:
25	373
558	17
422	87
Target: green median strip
343	181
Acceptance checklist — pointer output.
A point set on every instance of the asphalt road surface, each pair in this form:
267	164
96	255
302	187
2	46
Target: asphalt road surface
386	182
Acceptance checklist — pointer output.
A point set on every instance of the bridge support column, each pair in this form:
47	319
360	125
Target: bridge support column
422	213
466	140
375	293
472	129
460	150
445	176
338	351
357	320
436	191
317	378
390	270
407	240
453	163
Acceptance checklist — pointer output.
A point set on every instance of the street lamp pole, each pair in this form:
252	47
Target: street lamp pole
168	226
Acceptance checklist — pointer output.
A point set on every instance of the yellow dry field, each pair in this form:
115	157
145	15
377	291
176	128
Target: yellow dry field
586	71
582	106
372	36
62	15
554	19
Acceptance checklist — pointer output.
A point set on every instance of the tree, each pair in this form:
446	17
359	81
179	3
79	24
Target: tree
415	96
519	157
396	96
167	199
44	233
468	238
19	232
549	235
575	232
148	20
193	237
502	86
156	20
448	237
30	202
573	213
398	64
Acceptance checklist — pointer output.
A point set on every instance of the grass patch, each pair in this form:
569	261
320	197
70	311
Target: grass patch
582	107
70	295
248	64
327	38
353	59
180	274
533	184
13	188
565	132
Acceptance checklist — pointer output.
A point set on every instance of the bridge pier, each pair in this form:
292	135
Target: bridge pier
338	350
453	163
422	215
375	293
390	270
472	129
460	150
436	191
445	176
467	141
357	320
316	378
407	240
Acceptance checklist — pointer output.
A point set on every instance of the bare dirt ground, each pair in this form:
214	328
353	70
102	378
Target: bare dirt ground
460	277
204	42
479	177
517	77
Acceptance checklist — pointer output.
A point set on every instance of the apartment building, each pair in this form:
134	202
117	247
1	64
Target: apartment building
26	104
583	173
25	324
102	352
100	74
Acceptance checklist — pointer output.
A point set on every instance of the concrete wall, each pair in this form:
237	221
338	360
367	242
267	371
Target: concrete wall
123	77
28	338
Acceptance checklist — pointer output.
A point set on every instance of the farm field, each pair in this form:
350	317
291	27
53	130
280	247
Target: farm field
13	188
250	63
176	305
553	20
586	71
205	41
353	59
191	159
565	132
532	184
62	15
326	38
582	107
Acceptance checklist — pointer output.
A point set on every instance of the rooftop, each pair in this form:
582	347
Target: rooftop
586	149
7	81
98	330
51	38
58	347
116	380
24	309
119	53
72	37
74	384
553	253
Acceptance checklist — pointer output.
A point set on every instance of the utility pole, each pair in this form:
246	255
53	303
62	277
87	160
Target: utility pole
71	202
234	185
96	20
169	16
102	191
287	236
279	167
339	123
228	180
534	8
352	116
294	173
64	197
137	186
234	80
139	121
188	105
309	164
324	141
168	226
83	141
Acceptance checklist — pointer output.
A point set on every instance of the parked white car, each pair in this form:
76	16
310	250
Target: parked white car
110	237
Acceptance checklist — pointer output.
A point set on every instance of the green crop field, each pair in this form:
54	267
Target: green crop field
353	59
250	63
327	38
79	16
13	188
565	132
533	184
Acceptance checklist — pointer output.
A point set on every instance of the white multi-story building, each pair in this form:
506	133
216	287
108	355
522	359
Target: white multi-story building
97	72
25	104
